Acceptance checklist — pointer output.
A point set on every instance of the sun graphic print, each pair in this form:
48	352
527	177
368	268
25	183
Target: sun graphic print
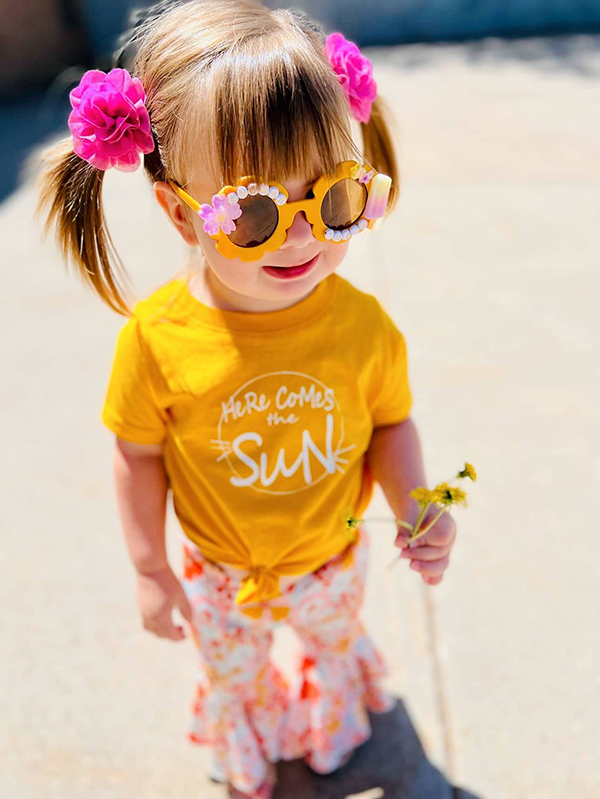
281	433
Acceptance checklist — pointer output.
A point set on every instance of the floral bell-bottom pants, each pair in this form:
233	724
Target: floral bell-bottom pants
243	706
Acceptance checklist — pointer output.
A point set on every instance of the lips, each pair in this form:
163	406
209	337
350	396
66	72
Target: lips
287	272
292	266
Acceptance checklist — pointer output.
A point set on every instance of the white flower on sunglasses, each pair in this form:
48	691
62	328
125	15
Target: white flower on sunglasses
219	215
347	233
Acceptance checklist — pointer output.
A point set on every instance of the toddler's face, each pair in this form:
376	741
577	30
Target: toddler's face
253	280
251	286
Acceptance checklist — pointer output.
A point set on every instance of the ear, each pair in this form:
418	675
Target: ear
176	211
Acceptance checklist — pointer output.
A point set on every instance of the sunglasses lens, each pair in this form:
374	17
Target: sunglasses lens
257	223
343	204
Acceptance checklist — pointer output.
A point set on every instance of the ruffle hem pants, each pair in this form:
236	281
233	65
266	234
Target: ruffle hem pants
244	708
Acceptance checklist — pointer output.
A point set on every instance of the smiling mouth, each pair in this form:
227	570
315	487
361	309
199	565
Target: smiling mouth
292	270
293	266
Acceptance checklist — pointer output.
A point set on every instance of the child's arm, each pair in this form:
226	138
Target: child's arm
141	487
395	460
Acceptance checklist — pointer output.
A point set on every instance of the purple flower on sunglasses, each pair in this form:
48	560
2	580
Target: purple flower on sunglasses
219	215
360	173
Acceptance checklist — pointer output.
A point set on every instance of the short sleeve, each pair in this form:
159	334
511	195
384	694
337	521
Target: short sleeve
131	409
392	399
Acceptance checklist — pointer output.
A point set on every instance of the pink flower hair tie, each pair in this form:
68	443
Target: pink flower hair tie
109	121
354	72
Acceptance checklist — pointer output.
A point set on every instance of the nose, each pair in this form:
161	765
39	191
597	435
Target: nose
299	234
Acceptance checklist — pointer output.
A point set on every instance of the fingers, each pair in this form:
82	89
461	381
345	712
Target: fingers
433	580
164	628
441	534
429	555
432	568
438	536
185	607
430	562
435	537
157	595
425	553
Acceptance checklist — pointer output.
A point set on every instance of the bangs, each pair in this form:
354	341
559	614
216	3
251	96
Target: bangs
276	110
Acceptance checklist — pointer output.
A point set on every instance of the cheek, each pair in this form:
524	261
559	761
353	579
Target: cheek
225	268
332	255
209	250
231	272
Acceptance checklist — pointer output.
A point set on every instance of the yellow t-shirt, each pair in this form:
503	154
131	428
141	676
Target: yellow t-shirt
264	418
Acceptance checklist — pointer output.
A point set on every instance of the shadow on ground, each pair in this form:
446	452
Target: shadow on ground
391	765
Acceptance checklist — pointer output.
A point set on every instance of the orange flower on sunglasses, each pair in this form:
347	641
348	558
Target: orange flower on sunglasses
250	219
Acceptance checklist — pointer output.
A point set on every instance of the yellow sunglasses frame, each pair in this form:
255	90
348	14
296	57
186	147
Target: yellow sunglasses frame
288	210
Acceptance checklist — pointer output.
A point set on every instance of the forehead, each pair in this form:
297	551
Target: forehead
221	148
204	176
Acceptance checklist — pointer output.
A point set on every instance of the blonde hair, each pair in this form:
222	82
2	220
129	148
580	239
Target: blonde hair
253	84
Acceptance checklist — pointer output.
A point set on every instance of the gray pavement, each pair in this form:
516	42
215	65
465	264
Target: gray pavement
490	268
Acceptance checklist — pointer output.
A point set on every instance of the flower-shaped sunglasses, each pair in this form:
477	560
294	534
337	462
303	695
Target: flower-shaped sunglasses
251	219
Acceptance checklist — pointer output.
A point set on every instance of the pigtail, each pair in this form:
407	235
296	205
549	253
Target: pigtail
71	195
379	147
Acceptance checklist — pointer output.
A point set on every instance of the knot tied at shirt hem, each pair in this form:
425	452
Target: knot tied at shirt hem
260	584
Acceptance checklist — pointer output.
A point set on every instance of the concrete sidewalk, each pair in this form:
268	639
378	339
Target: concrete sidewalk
490	268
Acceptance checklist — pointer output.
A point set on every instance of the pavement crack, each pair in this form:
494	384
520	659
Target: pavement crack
440	687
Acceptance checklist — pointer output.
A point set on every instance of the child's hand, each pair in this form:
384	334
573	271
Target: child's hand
157	594
430	554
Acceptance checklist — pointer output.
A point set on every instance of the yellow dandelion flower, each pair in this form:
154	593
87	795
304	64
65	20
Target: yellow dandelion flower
468	471
422	495
347	517
351	523
446	495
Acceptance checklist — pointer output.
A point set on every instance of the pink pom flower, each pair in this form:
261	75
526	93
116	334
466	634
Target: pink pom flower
219	215
354	72
109	121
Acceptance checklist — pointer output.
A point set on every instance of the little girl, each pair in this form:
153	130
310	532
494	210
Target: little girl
258	386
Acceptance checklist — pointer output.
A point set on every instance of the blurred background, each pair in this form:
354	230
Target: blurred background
43	44
490	267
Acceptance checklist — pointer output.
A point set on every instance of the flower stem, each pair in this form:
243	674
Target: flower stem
427	527
387	519
419	520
